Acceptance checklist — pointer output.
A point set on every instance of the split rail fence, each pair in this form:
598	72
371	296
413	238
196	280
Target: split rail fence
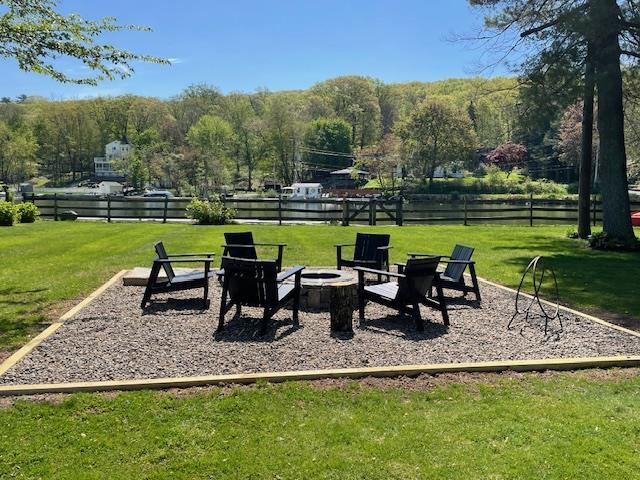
370	211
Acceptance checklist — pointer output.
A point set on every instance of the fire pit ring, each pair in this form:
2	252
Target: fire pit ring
317	284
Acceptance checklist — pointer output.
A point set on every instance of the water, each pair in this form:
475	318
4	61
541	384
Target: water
432	211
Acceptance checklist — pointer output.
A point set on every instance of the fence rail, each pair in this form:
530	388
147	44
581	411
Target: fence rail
344	211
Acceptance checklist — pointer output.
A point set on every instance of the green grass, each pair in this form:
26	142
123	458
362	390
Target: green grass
46	263
561	426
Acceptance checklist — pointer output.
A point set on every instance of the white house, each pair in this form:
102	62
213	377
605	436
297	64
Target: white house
112	151
303	190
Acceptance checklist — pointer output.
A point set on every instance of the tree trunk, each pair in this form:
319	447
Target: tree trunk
584	187
613	161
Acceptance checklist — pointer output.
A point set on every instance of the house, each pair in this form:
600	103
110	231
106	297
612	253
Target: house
450	171
303	190
348	178
112	151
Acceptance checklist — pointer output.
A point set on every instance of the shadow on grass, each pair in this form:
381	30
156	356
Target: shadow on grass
585	275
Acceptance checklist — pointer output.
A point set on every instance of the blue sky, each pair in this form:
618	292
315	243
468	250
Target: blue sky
276	44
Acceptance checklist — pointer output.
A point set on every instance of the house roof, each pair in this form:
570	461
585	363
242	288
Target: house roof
316	185
349	171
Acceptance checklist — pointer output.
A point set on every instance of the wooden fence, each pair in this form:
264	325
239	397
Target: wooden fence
369	211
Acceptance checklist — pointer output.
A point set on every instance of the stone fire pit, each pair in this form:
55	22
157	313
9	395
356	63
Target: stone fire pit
318	283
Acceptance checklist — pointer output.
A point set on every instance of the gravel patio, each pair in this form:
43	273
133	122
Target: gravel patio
112	339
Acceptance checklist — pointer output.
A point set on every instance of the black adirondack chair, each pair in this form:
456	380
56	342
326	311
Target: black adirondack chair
175	282
453	275
410	290
241	245
371	251
256	283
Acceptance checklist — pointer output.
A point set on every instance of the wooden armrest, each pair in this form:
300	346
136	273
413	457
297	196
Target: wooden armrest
271	244
379	272
183	260
206	254
414	254
466	262
345	245
290	272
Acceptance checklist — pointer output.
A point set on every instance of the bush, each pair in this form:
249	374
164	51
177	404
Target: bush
602	241
27	212
8	214
209	212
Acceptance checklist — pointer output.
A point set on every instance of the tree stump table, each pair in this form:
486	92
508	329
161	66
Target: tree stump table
333	291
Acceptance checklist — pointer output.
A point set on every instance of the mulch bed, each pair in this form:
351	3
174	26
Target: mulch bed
112	339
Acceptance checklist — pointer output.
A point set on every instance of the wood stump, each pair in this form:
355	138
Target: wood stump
341	307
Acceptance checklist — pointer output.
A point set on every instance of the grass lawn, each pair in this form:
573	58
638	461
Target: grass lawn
569	425
47	263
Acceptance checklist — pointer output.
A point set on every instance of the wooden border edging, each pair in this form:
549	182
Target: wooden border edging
26	349
51	329
92	296
276	377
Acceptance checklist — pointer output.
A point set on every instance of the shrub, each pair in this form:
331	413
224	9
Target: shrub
602	241
572	234
209	212
8	214
27	212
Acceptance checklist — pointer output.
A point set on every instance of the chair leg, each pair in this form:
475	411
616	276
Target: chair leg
145	298
443	304
296	308
223	310
205	296
265	321
418	317
474	280
361	307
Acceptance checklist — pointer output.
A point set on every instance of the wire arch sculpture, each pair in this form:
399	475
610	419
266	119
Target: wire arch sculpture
537	268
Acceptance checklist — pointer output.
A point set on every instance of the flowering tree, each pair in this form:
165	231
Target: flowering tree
508	156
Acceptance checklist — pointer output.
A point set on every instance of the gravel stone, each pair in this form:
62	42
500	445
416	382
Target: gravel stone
112	339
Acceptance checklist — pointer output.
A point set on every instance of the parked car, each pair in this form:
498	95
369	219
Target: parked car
159	194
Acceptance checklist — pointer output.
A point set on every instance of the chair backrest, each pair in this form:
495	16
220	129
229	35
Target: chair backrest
240	238
455	270
251	282
367	245
419	274
162	255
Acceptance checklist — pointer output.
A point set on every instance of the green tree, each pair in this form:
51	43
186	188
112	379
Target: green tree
211	136
33	32
586	36
20	156
332	135
354	99
436	134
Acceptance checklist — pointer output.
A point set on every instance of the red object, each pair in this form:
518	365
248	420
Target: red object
635	219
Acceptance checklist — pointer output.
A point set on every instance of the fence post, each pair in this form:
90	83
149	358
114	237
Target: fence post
594	206
399	220
55	207
279	209
531	210
109	209
372	211
465	212
345	212
166	206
